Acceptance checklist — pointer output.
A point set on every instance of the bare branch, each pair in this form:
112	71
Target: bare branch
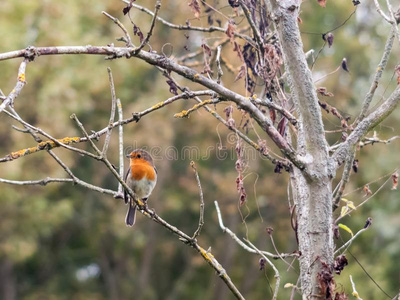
374	140
153	22
278	278
355	293
112	115
43	182
151	214
301	82
377	77
337	195
46	145
18	87
243	245
380	11
40	131
121	145
270	104
256	32
373	119
188	27
201	218
348	243
120	25
168	64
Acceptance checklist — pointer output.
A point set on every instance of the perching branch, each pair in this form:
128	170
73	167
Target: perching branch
151	214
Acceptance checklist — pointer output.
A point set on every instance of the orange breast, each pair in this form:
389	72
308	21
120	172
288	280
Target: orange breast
141	168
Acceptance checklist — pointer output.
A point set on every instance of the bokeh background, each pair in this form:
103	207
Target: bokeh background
65	242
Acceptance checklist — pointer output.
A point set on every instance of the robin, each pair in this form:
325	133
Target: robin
141	177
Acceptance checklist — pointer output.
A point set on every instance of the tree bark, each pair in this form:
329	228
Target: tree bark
312	192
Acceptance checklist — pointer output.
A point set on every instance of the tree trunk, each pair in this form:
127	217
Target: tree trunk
313	202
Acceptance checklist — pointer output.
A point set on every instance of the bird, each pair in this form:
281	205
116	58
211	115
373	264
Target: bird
141	177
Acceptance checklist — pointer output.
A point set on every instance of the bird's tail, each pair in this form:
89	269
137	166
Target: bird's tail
131	214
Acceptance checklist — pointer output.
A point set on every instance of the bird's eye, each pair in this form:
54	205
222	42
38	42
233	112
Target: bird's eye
138	156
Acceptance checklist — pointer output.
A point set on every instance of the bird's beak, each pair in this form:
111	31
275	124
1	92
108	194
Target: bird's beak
128	156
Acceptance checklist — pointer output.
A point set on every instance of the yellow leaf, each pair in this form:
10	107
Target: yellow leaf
351	205
344	211
344	227
288	285
344	200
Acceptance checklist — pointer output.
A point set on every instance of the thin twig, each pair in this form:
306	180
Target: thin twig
57	142
43	182
187	27
278	278
337	195
120	25
112	115
256	32
21	81
348	243
243	245
153	22
355	293
378	74
121	145
68	140
380	11
201	218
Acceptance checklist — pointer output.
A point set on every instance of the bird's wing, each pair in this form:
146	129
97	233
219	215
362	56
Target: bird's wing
126	195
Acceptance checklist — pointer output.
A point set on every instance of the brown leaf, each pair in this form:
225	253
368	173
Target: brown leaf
272	115
322	3
340	263
241	73
341	296
195	6
335	112
206	48
367	190
323	91
395	179
299	20
128	8
230	30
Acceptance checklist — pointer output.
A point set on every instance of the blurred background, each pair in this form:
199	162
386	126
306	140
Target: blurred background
65	242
